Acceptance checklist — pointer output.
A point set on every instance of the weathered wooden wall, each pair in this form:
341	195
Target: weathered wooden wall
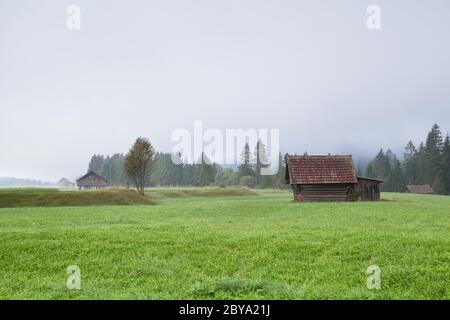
91	181
322	192
368	190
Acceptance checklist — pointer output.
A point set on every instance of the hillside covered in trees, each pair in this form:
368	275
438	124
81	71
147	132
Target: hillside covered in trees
427	163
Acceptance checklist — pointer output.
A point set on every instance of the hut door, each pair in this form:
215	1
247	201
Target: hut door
373	193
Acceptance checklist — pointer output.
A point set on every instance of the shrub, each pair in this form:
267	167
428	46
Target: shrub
247	181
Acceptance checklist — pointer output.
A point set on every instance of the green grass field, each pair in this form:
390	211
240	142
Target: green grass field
216	244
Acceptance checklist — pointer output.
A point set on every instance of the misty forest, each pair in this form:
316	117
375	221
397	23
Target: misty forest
426	163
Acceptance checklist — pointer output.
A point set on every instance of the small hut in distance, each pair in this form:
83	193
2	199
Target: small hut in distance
91	181
65	183
419	189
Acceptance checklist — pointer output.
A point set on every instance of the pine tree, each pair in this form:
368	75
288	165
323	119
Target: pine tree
421	164
410	163
432	155
438	184
204	172
159	172
380	167
96	163
188	174
395	181
107	170
390	157
445	165
386	166
245	167
281	174
177	177
261	161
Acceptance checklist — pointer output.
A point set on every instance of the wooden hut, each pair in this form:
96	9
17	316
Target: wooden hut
321	178
65	183
368	189
329	178
420	189
91	181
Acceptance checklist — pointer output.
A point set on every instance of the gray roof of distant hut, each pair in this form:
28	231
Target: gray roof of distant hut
92	173
65	182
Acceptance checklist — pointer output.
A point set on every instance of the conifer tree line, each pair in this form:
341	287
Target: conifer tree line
164	172
426	163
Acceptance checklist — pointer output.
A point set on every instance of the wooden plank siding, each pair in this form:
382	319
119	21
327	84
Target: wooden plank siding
368	189
91	180
322	192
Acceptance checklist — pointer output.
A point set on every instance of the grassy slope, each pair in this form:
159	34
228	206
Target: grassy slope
261	246
161	193
38	197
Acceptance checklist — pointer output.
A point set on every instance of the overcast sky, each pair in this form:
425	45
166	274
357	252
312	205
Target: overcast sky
145	68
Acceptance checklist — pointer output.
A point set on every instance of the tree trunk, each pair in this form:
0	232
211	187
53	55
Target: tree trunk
141	188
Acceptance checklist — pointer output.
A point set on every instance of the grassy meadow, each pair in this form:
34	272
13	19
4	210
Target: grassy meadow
222	244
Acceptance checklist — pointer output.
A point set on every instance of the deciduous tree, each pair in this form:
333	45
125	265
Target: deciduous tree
137	162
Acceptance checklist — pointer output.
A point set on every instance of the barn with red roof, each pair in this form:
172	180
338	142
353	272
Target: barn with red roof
329	178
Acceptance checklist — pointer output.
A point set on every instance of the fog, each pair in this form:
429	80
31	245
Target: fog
311	69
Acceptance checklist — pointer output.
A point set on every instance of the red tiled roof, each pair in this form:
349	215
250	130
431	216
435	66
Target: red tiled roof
321	169
420	188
